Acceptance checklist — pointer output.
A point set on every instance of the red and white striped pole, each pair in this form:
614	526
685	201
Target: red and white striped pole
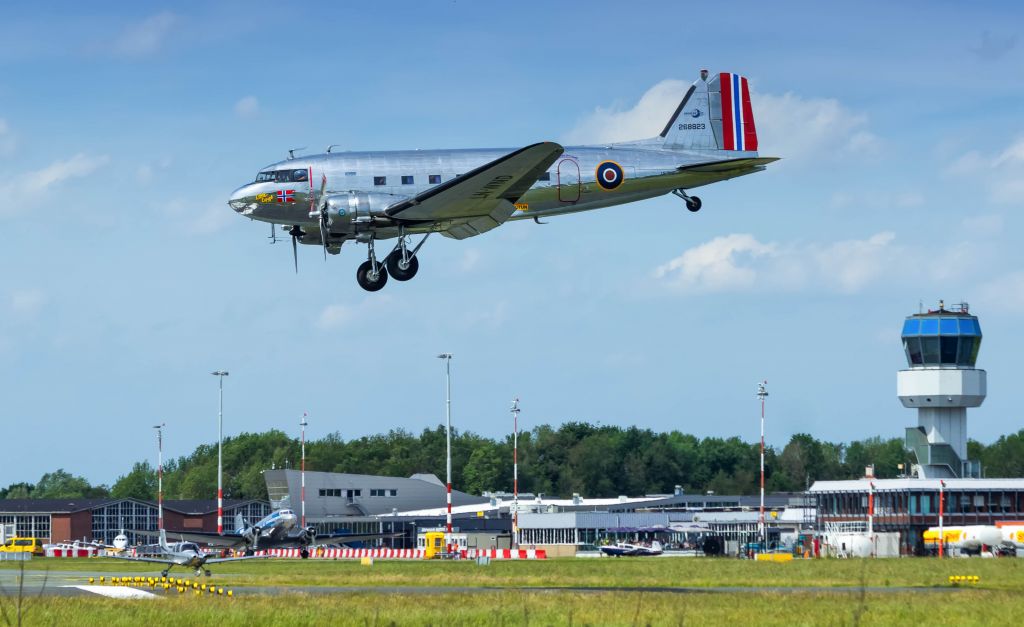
942	511
447	357
762	393
303	497
160	474
515	473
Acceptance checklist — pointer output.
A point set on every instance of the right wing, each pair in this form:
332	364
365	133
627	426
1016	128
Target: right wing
142	559
482	199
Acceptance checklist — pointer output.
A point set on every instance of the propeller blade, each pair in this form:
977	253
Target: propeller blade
324	231
295	252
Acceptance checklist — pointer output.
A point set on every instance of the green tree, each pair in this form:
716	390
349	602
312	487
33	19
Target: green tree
140	483
63	485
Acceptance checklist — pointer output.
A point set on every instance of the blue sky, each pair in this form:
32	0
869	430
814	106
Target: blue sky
127	279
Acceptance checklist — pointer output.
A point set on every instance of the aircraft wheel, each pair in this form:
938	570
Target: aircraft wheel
207	573
393	263
368	283
693	204
249	552
304	554
163	573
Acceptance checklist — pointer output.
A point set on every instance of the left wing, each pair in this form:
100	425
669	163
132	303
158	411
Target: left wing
211	538
481	199
345	538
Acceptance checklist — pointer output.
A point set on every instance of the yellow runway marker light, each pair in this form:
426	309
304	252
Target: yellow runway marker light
230	593
91	579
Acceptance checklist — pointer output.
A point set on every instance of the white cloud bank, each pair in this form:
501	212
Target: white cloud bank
741	262
1001	174
247	107
788	125
27	189
145	37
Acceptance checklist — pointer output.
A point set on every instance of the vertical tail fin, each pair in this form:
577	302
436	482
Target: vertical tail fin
715	114
163	541
239	523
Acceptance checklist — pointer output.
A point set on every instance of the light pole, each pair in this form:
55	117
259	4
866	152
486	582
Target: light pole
303	425
515	472
220	374
447	357
762	394
160	474
942	511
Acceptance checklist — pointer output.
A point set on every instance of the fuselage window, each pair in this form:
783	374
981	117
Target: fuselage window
299	176
544	177
434	179
407	180
380	180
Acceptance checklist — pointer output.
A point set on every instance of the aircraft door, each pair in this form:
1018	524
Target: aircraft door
568	180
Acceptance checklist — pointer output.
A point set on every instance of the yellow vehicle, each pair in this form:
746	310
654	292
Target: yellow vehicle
434	544
22	545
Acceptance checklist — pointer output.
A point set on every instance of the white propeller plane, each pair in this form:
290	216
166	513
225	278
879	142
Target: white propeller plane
370	196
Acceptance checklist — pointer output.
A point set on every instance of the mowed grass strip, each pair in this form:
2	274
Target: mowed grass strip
1006	573
968	607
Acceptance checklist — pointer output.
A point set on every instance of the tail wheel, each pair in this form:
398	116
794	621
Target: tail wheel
366	278
395	269
693	204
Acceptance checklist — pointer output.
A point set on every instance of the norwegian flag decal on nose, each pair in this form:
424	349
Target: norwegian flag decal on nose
738	132
287	195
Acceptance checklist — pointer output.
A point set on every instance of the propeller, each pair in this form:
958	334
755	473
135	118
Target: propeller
296	233
324	232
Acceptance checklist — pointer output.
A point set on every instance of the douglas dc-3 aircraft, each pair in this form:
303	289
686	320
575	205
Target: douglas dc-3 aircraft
370	196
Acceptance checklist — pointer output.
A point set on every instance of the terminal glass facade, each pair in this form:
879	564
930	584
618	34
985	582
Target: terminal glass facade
29	525
108	521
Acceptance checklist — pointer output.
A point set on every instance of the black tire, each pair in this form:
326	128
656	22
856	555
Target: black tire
693	204
249	552
397	272
304	554
363	276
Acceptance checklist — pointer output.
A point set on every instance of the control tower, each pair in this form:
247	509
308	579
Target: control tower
941	383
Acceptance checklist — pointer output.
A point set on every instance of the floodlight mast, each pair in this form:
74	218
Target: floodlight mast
220	374
515	472
447	357
762	394
160	474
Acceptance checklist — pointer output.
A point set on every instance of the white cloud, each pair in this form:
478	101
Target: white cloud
742	262
214	218
27	188
27	302
247	107
788	125
145	37
645	119
1002	174
340	315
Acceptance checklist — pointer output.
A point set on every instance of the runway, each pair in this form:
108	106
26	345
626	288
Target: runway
76	583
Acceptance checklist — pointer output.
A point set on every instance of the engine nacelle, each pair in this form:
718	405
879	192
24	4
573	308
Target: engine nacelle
351	212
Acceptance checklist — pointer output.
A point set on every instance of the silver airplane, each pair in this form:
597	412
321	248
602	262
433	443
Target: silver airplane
186	554
334	197
277	530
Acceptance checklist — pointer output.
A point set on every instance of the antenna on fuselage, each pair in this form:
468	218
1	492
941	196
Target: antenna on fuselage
291	153
331	146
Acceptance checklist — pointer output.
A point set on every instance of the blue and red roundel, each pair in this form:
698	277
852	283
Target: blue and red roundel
609	175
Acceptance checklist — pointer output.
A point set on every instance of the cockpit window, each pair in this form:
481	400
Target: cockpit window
283	176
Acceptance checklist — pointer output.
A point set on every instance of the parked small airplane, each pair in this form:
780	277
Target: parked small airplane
278	530
626	549
370	196
185	554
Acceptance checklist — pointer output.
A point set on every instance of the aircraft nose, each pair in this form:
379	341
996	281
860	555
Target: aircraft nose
240	200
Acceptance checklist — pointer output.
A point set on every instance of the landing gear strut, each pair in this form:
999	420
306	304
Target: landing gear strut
692	202
371	275
402	264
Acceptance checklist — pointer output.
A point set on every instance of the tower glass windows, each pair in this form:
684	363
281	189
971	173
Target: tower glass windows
937	340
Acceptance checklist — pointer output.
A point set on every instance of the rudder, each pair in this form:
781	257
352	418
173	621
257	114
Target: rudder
715	114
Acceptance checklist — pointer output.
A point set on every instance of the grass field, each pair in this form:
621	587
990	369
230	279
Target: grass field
997	599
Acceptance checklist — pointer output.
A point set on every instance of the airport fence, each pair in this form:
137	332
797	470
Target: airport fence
15	557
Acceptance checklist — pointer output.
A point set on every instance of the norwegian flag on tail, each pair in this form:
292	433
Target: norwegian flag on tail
738	132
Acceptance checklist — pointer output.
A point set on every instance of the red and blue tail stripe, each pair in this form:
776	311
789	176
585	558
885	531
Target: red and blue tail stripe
738	132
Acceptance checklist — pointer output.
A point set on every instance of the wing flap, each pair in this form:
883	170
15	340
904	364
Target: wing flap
482	192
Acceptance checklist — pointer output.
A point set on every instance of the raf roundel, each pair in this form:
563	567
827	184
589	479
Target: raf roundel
609	175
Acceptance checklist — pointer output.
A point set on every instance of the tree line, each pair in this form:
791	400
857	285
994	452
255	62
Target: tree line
577	457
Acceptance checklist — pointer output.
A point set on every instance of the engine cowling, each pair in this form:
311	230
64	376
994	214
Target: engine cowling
353	211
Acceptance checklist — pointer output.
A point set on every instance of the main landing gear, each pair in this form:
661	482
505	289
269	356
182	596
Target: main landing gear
401	263
692	202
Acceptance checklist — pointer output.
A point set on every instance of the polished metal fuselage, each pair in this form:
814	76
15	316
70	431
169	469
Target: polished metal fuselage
649	170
